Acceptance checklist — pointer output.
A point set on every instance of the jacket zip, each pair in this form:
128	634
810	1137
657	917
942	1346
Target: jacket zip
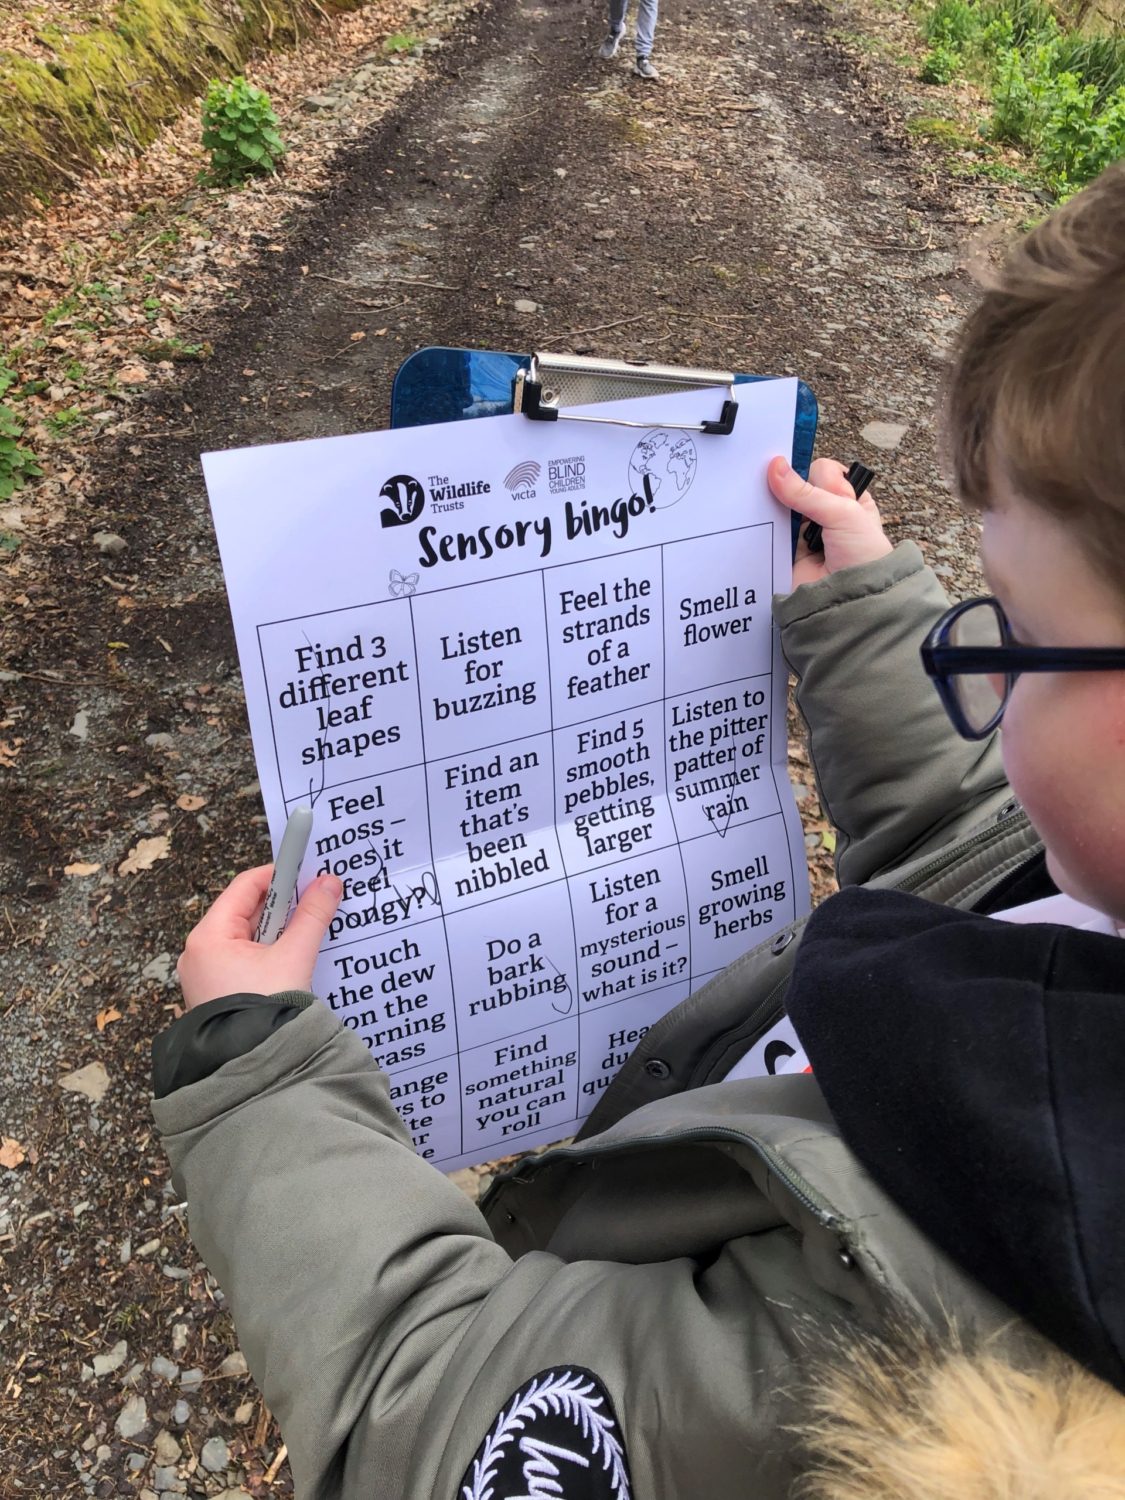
1008	814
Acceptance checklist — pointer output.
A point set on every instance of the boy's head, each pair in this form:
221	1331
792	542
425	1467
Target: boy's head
1036	436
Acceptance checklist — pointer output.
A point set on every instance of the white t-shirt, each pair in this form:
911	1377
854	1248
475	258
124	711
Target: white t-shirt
780	1051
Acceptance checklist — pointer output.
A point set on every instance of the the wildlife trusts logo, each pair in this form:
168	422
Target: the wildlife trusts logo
406	498
522	480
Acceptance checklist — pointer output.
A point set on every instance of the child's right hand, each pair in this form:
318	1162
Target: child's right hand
853	532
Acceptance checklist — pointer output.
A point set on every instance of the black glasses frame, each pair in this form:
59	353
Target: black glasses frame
1009	660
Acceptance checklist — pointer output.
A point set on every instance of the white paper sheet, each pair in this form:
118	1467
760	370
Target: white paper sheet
526	675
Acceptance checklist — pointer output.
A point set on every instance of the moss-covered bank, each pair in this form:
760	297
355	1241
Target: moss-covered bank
119	82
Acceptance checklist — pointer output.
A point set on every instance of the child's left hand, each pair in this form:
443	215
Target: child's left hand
221	957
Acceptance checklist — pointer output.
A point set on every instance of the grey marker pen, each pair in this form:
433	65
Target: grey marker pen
283	884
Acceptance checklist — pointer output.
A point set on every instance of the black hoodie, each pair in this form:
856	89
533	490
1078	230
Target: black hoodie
977	1069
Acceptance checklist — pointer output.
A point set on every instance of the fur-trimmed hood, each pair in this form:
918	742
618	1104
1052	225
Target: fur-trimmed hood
914	1422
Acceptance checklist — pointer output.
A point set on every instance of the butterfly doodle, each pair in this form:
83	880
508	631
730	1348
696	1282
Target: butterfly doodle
401	585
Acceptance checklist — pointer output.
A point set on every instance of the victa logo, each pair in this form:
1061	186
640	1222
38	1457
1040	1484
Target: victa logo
406	497
522	480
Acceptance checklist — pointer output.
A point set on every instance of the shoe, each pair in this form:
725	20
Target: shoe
608	48
643	68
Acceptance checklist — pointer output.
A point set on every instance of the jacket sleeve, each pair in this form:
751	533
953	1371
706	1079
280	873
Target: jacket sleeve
349	1263
894	776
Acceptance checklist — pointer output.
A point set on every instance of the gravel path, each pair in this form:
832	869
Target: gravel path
759	209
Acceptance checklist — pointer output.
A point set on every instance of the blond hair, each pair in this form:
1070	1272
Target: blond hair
1037	393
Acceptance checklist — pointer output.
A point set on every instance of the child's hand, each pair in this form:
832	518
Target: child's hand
853	532
221	957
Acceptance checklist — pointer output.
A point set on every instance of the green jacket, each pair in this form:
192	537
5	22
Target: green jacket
675	1264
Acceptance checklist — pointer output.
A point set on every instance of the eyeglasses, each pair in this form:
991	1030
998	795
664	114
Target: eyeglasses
974	662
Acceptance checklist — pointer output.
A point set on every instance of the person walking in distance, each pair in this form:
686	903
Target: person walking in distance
646	31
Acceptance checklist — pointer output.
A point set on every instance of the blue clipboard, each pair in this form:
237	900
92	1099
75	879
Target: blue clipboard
440	384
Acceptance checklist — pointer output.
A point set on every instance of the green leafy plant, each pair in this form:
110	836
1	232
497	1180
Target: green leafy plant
401	41
939	65
240	131
17	466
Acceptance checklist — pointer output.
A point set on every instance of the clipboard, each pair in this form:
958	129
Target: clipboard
443	384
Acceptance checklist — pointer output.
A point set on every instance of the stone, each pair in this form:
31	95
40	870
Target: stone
105	1364
244	1412
160	741
234	1365
103	1452
80	729
133	1375
175	1273
136	1462
885	435
132	1418
181	1414
164	1369
215	1455
148	1495
165	1449
125	1253
179	1337
158	968
317	102
109	544
191	1380
525	305
92	1081
167	1481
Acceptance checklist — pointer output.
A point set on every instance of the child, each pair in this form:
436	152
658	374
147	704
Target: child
902	1275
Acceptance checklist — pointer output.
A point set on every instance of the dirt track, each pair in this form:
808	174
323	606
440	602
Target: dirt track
755	209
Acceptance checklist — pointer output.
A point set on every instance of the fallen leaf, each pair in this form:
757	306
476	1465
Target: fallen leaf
107	1016
190	803
9	749
92	1080
80	867
355	337
132	375
828	839
11	1152
145	854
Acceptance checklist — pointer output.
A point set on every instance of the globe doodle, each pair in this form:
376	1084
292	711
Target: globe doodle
668	460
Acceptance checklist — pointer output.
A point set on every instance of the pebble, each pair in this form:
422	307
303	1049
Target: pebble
234	1365
149	1248
136	1462
191	1380
179	1337
132	1418
125	1253
181	1413
105	1364
147	1495
166	1479
158	968
160	741
175	1273
525	305
133	1375
164	1369
215	1455
316	102
103	1452
165	1449
109	544
244	1412
80	729
883	434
